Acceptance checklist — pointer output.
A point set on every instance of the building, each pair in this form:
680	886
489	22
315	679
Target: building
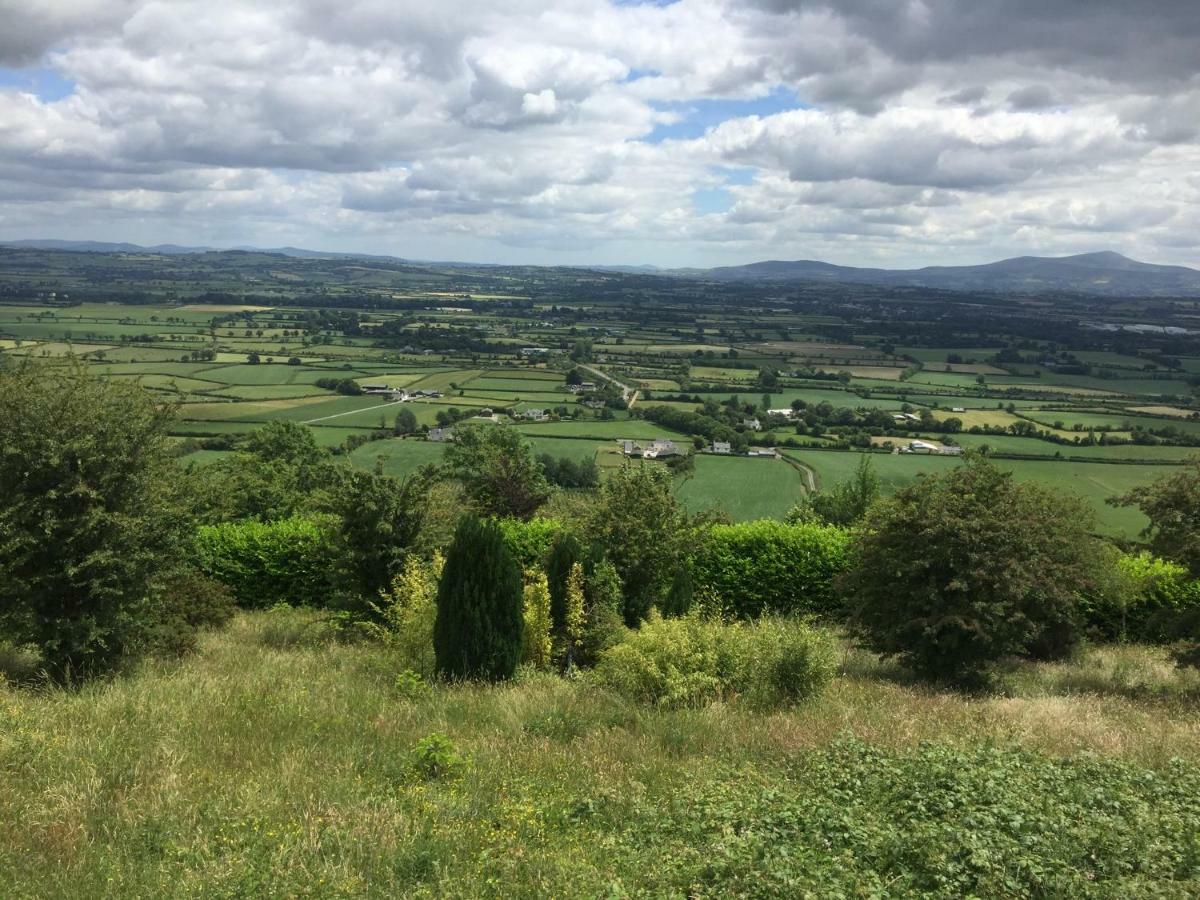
753	424
536	415
789	412
957	409
534	351
920	447
662	447
722	447
439	435
627	448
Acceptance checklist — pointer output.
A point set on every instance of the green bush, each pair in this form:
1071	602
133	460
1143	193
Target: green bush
691	661
435	756
290	560
761	567
1146	599
90	516
529	541
187	602
962	569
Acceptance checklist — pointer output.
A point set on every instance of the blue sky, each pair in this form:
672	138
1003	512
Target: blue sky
697	116
47	84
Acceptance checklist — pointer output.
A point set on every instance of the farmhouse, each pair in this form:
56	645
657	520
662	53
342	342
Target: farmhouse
721	447
536	415
753	424
439	435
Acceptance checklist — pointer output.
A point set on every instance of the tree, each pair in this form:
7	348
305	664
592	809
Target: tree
380	521
498	471
479	606
849	500
89	516
962	569
1172	504
642	529
406	422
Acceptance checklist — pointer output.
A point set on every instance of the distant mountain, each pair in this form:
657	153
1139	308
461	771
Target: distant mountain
1109	274
176	249
102	247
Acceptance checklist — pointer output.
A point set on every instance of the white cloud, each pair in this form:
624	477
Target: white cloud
932	131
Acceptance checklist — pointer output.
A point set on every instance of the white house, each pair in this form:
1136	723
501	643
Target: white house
752	424
536	415
721	447
439	435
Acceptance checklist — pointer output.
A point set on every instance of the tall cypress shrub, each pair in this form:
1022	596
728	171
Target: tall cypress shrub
479	606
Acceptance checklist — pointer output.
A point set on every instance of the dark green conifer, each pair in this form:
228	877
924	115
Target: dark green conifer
479	606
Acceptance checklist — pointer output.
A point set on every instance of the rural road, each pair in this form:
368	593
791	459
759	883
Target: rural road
354	411
628	394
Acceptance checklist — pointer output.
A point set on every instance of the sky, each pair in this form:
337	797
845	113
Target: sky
696	133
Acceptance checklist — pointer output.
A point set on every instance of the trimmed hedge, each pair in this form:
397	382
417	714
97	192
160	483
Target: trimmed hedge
755	568
290	560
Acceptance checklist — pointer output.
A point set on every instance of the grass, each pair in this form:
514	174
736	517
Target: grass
278	762
744	488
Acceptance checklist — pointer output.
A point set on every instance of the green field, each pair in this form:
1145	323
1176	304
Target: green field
743	488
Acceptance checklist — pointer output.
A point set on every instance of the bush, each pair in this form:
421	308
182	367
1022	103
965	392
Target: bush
187	602
407	613
264	563
691	661
479	606
960	570
768	566
434	756
529	541
89	516
536	643
1145	600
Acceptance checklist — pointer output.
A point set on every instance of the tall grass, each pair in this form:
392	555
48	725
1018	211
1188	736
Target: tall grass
265	765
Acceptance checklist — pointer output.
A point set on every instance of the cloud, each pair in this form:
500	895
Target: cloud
583	130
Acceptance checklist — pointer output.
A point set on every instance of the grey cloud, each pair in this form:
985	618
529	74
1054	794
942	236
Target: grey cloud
1033	97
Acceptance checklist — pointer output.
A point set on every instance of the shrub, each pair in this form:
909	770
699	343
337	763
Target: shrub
962	569
89	515
1144	599
407	613
643	531
187	602
604	626
434	756
564	553
477	633
264	563
409	685
691	661
530	541
768	566
536	644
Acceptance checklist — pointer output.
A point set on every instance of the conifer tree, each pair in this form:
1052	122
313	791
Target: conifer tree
479	606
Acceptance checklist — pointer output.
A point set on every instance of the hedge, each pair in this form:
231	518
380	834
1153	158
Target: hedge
263	563
529	541
754	568
1158	594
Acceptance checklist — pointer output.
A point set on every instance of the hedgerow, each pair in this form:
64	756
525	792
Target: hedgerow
291	560
754	568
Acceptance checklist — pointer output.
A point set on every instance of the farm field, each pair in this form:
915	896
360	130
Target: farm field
743	488
235	366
